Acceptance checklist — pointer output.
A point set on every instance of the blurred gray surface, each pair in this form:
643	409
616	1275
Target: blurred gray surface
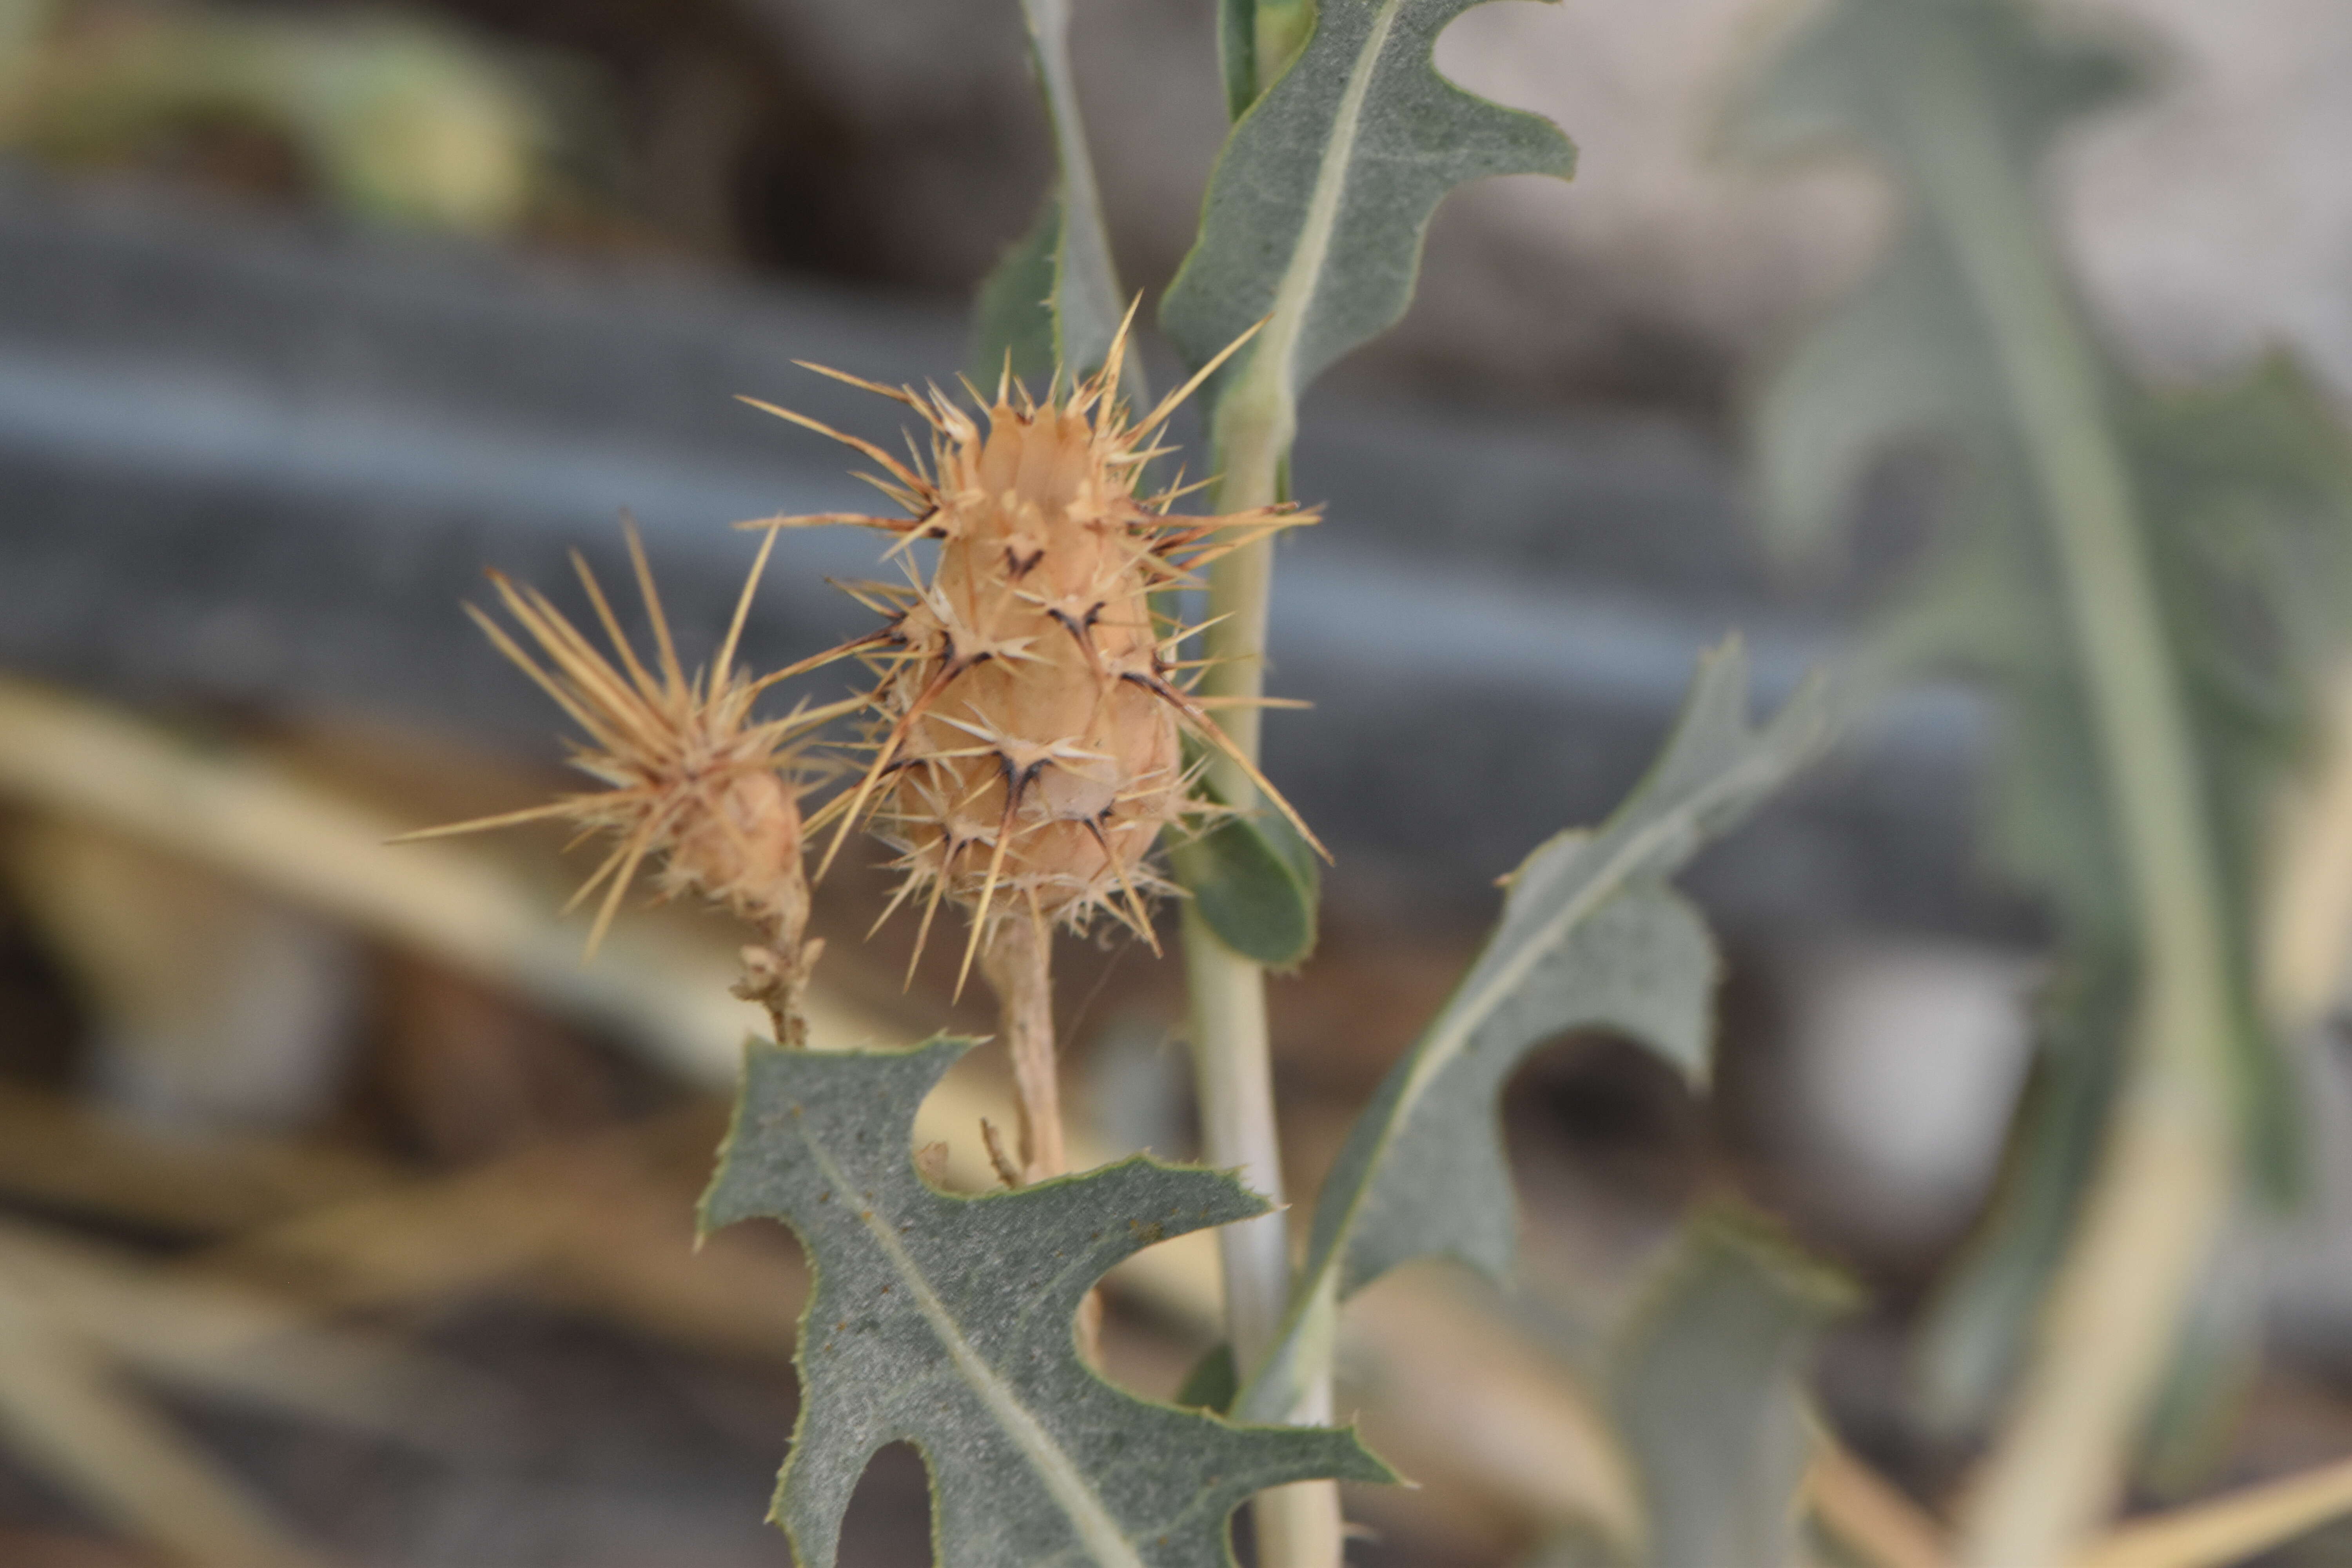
258	463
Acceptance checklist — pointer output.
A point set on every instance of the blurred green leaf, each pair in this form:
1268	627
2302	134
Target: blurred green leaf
1012	315
2188	1434
1708	1385
1068	323
947	1322
1257	40
400	119
1974	1328
1257	884
1237	53
1212	1382
1590	937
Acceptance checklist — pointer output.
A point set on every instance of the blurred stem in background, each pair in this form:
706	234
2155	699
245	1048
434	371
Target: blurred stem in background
2129	564
2169	1168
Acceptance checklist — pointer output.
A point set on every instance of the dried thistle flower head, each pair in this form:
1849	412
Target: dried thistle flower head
1030	716
692	781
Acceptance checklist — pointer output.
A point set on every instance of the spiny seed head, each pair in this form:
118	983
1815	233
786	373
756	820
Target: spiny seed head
692	781
1026	758
1027	736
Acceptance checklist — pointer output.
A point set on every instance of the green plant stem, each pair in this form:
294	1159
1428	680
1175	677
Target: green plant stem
1235	1088
2167	1173
1297	1526
1256	415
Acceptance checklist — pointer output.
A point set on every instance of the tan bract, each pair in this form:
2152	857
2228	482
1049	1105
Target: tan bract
693	781
1029	714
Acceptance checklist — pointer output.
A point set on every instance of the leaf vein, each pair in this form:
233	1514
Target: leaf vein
1101	1532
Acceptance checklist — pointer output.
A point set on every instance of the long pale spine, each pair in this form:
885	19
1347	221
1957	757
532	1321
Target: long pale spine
2153	1213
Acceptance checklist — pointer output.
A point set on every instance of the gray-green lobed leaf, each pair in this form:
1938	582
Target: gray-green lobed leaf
1590	937
1319	200
946	1321
1707	1384
2243	495
1581	946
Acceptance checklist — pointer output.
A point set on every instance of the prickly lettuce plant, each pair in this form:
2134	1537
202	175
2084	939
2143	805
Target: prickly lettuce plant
1049	739
1031	731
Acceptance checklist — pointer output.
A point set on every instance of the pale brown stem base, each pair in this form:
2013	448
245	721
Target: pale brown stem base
776	976
1018	959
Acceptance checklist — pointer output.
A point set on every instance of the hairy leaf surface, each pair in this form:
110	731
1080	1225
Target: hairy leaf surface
1590	937
946	1321
1318	204
2241	492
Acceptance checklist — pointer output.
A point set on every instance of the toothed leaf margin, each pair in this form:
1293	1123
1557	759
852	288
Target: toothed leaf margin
947	1322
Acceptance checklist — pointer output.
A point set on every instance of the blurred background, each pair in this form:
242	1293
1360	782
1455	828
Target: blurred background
345	1215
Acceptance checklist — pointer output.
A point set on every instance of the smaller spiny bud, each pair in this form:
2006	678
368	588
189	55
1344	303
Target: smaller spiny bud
693	784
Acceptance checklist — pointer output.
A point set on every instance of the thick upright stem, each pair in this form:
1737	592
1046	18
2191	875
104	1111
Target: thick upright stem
1297	1526
1234	1081
2162	1192
1232	1064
